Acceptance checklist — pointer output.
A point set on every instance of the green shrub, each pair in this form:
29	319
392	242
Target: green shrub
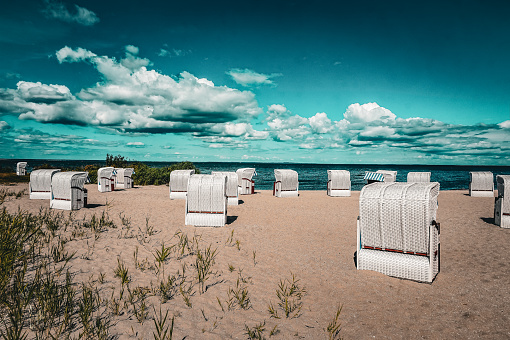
145	175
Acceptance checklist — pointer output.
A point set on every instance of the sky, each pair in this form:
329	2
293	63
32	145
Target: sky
363	82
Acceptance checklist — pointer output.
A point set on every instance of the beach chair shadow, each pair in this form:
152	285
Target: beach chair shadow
240	202
93	205
489	220
231	219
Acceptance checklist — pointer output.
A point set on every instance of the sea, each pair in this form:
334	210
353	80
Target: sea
311	176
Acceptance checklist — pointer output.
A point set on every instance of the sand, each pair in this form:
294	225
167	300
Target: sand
312	236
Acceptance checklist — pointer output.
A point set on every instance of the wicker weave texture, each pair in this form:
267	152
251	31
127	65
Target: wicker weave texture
206	201
178	185
67	190
232	185
418	177
286	183
245	181
389	175
482	184
105	179
502	203
339	183
398	215
40	183
21	168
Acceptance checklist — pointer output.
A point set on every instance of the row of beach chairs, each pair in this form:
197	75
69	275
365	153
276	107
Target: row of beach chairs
397	229
110	178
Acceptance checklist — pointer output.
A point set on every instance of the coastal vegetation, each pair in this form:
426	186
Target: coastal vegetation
46	294
144	174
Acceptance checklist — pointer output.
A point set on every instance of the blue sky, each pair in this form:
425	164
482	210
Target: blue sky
256	81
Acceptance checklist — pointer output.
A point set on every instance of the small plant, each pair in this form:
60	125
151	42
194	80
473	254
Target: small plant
122	272
230	239
167	288
204	262
231	268
186	293
333	328
163	331
254	258
162	255
238	295
238	244
289	294
256	331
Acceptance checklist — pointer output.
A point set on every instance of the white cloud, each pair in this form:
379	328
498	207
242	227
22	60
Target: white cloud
248	77
505	124
67	54
368	112
132	98
136	144
4	125
81	15
320	123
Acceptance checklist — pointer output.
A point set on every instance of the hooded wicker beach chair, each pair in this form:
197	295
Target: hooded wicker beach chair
21	168
231	191
339	183
502	203
482	184
246	185
397	230
206	202
286	183
106	179
178	185
67	191
40	184
380	176
123	178
418	177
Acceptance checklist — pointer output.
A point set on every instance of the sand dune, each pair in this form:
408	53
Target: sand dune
312	236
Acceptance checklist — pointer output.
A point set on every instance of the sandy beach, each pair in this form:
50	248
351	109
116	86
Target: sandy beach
313	237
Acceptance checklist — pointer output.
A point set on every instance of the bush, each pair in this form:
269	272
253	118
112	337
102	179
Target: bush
145	175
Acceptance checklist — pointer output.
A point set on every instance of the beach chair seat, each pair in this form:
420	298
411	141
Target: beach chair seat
123	179
482	184
286	183
178	184
206	201
106	179
21	168
418	177
502	202
246	184
339	183
397	233
67	190
40	184
232	191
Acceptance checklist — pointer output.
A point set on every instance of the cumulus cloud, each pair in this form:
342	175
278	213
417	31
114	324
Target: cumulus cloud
368	112
132	98
80	15
249	78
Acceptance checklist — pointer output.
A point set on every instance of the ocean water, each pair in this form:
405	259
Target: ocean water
311	176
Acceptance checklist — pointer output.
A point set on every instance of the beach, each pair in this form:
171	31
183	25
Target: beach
267	239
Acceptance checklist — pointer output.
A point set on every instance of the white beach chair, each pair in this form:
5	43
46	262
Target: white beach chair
389	176
178	184
482	184
397	230
231	191
246	185
106	179
418	177
380	176
123	178
21	168
339	183
67	191
40	184
502	205
206	201
286	183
